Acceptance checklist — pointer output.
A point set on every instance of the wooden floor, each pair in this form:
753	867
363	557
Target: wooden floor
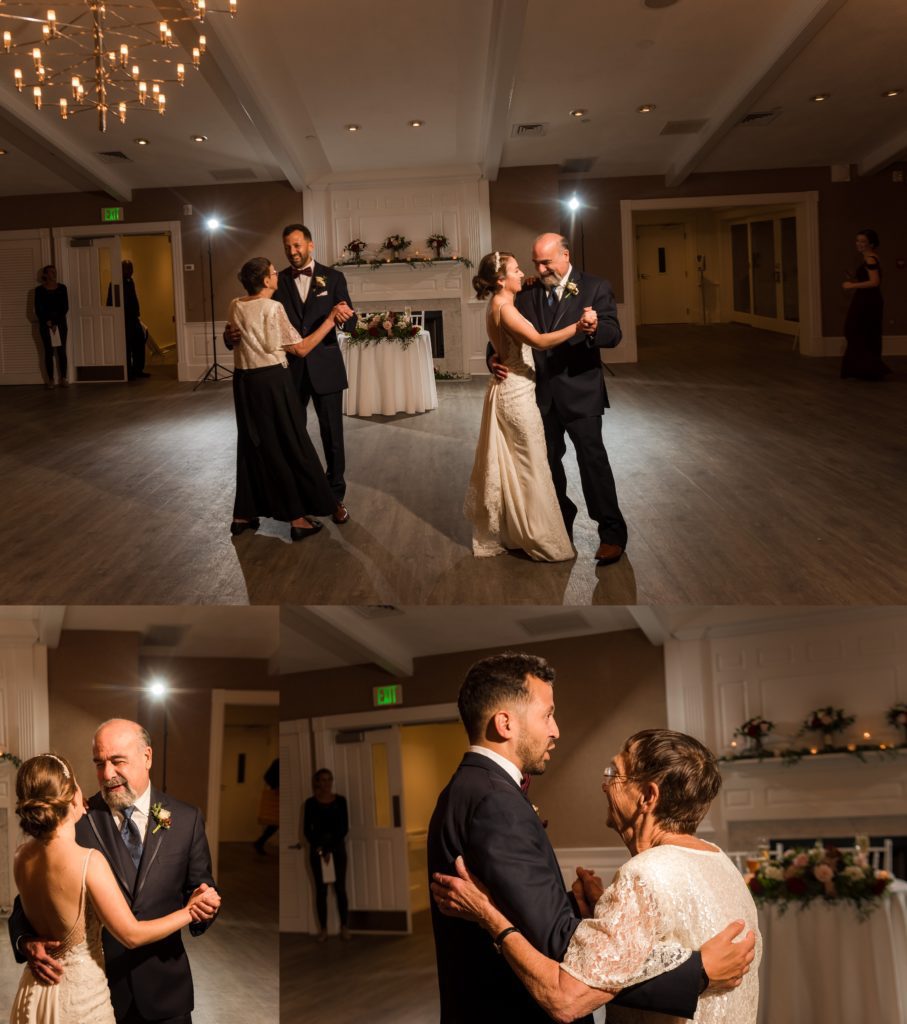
234	964
373	979
747	474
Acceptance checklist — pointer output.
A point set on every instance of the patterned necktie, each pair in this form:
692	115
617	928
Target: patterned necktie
552	297
131	837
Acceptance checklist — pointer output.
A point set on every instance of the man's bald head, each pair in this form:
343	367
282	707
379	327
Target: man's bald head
551	256
122	759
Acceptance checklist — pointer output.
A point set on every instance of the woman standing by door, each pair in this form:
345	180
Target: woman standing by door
863	325
325	825
51	307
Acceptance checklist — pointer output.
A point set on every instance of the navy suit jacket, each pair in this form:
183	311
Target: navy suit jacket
483	815
175	861
324	364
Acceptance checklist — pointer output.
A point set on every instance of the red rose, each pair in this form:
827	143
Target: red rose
374	331
756	886
796	886
879	886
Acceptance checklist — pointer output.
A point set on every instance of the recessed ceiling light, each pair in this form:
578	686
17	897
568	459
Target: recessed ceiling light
415	124
353	127
141	142
820	97
646	108
659	3
199	138
2	152
892	92
579	112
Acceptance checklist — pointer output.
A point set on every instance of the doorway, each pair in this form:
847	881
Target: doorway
661	260
764	271
250	746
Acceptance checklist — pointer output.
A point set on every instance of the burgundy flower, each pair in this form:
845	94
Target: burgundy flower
796	886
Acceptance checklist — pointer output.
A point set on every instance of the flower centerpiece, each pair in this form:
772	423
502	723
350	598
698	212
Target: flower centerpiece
803	875
755	729
356	247
896	715
383	326
827	721
395	244
438	243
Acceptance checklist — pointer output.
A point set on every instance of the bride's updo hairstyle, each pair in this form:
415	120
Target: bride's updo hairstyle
491	270
685	770
253	274
45	786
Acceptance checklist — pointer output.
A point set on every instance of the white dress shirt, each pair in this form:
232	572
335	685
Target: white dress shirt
501	761
304	282
562	284
140	815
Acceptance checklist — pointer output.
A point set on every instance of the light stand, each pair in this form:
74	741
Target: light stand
159	691
574	204
212	224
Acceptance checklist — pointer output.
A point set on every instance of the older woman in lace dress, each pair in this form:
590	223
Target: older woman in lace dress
674	893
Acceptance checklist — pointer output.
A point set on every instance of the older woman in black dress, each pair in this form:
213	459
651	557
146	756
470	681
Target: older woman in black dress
863	325
278	473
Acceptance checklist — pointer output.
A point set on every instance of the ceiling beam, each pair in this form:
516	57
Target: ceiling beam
739	101
50	624
344	633
43	137
881	156
508	20
649	621
232	80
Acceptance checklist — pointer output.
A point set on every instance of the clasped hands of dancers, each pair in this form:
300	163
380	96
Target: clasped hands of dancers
547	382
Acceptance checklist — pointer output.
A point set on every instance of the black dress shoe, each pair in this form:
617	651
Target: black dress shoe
240	526
301	532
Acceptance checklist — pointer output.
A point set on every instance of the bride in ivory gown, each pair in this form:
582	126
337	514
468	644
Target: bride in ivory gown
70	894
673	894
511	501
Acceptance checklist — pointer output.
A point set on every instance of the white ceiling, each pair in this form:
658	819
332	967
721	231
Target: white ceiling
281	80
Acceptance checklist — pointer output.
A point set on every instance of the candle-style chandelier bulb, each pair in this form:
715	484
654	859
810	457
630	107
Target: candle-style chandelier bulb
181	73
52	23
7	41
36	93
202	7
143	92
76	86
155	89
124	55
232	6
163	30
121	112
42	74
64	108
161	102
202	44
135	72
36	56
17	78
196	56
45	31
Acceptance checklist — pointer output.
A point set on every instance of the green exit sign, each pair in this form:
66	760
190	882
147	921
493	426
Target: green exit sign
111	213
384	696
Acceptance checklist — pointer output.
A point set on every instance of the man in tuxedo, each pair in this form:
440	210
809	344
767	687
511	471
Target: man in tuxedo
506	703
570	387
157	849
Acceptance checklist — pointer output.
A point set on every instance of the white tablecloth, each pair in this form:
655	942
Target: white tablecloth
822	965
385	378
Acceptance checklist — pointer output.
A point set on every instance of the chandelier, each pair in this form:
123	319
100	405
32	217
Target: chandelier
105	57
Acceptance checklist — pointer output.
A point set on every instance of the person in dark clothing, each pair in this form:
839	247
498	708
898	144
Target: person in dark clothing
51	307
135	332
325	825
269	807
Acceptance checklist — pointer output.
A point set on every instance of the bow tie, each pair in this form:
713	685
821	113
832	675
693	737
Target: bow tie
305	272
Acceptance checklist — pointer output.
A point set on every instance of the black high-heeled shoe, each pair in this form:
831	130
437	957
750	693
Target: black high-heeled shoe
240	526
301	532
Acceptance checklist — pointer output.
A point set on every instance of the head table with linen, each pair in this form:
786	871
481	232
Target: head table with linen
385	378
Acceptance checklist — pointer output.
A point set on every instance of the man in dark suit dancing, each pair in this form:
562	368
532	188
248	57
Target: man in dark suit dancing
507	707
157	849
570	387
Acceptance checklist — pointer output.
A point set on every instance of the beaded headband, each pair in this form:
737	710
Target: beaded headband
61	763
497	261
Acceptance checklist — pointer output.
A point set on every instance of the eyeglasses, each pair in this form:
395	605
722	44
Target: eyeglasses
611	774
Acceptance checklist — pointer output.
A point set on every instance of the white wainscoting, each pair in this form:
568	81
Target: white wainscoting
603	860
195	349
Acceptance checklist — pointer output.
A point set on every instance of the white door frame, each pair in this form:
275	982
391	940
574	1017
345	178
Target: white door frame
295	916
171	227
324	728
806	205
219	701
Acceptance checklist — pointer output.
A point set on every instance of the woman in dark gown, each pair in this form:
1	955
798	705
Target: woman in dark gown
863	325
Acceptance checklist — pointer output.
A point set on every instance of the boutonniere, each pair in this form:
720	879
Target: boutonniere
162	817
571	288
544	821
320	281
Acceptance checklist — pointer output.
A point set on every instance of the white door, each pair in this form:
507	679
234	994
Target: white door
98	330
296	913
369	772
764	270
661	256
22	255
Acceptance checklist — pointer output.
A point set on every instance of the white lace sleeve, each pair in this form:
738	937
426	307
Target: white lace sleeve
624	943
281	333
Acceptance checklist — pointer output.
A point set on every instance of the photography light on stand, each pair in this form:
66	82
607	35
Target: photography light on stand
574	205
212	224
159	690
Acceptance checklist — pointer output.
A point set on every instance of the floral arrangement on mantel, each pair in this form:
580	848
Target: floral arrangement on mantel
828	721
356	247
439	243
383	326
821	872
896	715
755	729
352	255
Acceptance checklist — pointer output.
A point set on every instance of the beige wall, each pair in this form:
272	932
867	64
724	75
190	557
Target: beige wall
95	675
524	202
430	755
153	275
844	207
252	214
608	687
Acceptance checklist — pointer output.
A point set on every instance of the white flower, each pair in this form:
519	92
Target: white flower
773	871
852	871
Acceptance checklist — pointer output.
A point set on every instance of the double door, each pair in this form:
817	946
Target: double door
96	309
764	272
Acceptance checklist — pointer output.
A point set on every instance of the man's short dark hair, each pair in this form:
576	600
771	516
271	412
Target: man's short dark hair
495	681
290	228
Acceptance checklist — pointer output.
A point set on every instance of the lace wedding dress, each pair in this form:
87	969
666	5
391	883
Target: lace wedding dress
82	995
663	903
511	501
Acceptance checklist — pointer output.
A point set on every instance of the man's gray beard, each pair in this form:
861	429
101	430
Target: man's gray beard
126	797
